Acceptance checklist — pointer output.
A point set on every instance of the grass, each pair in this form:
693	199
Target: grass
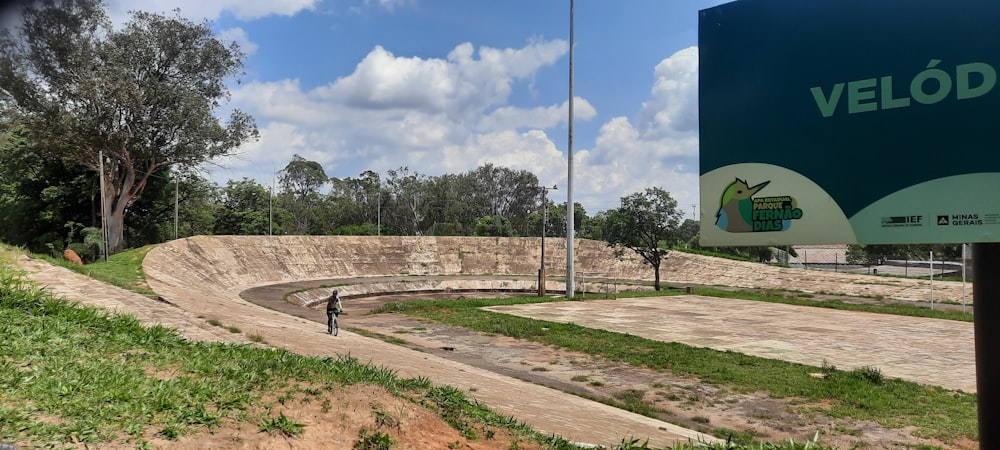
281	425
122	269
861	394
72	374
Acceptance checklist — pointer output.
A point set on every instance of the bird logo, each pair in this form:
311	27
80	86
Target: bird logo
736	207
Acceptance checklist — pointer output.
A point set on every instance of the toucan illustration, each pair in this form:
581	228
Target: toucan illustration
736	207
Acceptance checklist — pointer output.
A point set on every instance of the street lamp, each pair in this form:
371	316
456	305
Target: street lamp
545	221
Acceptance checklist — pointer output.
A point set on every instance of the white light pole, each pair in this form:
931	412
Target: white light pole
570	282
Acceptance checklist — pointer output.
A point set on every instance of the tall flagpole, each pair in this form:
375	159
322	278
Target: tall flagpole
570	206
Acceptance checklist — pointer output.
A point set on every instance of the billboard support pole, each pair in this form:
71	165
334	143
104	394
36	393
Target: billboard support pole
986	310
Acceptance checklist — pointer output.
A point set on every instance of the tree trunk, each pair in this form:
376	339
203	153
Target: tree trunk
113	211
656	276
120	190
116	231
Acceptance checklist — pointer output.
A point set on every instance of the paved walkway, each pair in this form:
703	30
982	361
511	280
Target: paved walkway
929	351
73	286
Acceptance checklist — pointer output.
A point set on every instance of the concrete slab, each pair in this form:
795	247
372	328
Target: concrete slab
929	351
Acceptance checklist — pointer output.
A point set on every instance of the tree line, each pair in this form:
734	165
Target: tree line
47	203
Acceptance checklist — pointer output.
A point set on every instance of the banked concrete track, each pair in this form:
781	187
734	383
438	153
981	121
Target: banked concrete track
205	276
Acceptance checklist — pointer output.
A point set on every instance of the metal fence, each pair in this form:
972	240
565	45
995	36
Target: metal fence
834	258
597	283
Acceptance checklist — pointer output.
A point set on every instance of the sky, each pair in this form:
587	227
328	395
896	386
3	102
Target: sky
445	86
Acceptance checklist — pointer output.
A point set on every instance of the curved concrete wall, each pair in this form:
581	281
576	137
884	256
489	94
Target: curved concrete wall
232	261
228	264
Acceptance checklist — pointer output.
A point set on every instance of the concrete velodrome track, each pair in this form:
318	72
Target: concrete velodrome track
204	277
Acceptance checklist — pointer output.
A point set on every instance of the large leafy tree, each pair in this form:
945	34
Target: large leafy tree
245	209
446	212
357	200
504	193
39	197
144	95
300	181
644	222
407	196
556	226
195	210
174	204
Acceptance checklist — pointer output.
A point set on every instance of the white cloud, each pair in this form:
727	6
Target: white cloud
282	101
390	5
508	117
674	104
239	36
460	83
422	113
450	115
660	149
212	9
533	151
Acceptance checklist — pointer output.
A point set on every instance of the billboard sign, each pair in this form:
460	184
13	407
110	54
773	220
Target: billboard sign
849	121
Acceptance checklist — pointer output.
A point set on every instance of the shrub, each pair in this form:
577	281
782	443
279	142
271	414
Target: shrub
870	374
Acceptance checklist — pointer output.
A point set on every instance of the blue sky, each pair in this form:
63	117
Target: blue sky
443	86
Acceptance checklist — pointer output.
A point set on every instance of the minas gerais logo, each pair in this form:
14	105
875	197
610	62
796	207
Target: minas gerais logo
741	212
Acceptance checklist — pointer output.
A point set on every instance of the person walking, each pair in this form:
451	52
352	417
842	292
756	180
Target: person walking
333	309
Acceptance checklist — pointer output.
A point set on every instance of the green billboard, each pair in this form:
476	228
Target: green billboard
849	121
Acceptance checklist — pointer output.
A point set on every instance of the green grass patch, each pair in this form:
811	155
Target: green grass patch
699	251
122	269
860	394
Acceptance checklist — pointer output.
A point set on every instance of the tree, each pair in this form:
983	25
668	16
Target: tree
405	209
688	232
504	193
494	226
596	227
39	197
244	210
172	198
144	95
300	181
357	199
302	177
644	222
196	211
446	209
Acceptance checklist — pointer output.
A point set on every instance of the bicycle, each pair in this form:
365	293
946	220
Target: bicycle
333	309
